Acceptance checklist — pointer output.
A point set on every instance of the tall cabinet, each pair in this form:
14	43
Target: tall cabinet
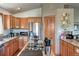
49	22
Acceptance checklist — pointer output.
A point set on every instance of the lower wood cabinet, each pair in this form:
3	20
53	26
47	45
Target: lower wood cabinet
22	42
68	49
11	47
63	48
6	50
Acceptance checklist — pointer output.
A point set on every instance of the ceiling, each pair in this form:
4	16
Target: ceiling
13	7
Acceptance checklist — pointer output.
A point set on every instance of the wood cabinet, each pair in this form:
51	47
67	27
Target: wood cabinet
17	22
49	22
8	49
15	45
68	49
49	30
11	47
6	21
12	22
64	48
24	23
22	42
35	19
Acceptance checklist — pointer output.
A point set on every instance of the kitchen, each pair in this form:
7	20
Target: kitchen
23	29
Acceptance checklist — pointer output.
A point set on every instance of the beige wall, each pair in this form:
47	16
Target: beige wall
50	9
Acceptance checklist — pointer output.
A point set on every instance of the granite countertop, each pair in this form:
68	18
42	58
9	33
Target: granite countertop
72	41
6	40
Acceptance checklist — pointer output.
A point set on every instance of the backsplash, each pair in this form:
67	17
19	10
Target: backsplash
18	30
6	32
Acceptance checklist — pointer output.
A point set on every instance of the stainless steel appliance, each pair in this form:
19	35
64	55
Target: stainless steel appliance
36	29
23	33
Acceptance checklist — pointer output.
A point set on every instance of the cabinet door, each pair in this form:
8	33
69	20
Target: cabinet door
50	26
46	27
20	43
6	21
10	47
24	23
64	48
6	49
15	45
37	19
63	51
17	22
70	50
31	19
12	22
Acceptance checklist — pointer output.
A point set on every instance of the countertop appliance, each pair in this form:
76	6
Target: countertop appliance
23	33
12	34
69	36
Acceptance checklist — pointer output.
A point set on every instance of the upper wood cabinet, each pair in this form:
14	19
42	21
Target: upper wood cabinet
12	22
17	22
24	23
35	19
49	30
49	22
6	21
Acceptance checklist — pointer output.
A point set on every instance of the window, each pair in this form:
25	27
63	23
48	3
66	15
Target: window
1	25
36	28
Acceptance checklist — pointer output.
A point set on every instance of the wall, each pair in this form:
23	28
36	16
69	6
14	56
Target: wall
50	9
30	13
76	15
